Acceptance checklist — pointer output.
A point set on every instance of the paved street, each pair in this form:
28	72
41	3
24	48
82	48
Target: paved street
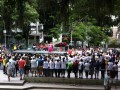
16	84
4	77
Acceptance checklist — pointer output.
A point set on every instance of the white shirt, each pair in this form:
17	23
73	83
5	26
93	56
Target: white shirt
56	58
13	62
63	64
71	59
33	63
52	64
9	66
45	64
57	64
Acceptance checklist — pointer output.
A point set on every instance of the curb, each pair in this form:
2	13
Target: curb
15	83
75	81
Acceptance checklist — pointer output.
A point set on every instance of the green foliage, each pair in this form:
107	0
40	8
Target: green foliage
88	32
87	19
31	14
55	32
79	31
96	35
18	37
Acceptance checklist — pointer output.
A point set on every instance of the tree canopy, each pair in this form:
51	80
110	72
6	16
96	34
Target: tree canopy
68	14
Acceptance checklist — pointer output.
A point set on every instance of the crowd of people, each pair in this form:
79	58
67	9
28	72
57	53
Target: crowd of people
92	62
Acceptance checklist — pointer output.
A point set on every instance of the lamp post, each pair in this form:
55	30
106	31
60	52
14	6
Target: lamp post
4	31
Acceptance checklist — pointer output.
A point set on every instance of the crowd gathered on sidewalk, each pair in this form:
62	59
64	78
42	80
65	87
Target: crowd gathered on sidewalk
90	61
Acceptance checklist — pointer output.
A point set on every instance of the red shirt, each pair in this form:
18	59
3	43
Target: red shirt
21	63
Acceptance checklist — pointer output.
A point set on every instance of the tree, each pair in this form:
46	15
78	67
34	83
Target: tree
96	36
18	37
88	32
79	32
30	15
55	32
48	11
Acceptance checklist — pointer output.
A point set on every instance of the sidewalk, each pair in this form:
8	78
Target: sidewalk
13	80
46	86
17	84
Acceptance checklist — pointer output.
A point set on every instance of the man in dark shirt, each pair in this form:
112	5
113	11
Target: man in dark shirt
102	66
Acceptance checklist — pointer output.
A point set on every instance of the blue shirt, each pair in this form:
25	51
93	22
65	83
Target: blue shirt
40	62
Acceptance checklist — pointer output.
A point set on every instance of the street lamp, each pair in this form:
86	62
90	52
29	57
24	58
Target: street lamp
4	31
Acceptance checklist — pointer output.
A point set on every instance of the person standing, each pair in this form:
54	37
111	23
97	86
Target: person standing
91	72
21	65
34	66
109	66
87	69
9	69
13	62
116	70
97	68
40	66
50	47
69	68
75	68
102	66
52	67
81	68
63	66
45	67
16	67
4	65
27	66
57	68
